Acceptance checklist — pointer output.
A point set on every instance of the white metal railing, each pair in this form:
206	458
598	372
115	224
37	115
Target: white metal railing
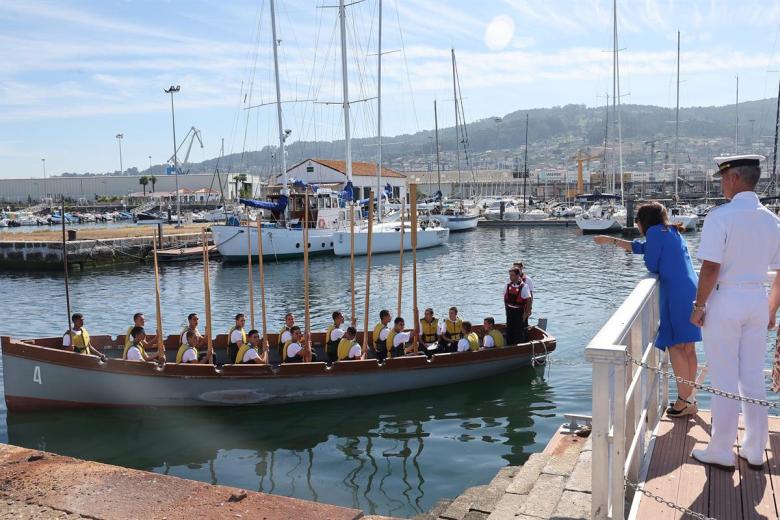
628	400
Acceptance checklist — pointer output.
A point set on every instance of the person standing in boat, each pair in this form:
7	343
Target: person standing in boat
252	351
493	337
666	254
188	352
293	349
284	332
470	341
192	326
77	338
740	242
333	335
516	295
529	304
381	330
397	340
349	348
429	329
450	331
236	337
135	351
139	320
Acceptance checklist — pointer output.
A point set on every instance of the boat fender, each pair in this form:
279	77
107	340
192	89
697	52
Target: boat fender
435	223
321	223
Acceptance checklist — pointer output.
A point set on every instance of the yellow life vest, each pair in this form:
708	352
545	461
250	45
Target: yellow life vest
243	335
79	342
430	331
242	350
473	340
284	350
344	347
282	331
454	328
377	331
329	343
182	350
138	345
128	337
389	342
498	338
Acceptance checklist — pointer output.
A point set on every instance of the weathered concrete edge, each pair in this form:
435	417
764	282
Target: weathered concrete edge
103	491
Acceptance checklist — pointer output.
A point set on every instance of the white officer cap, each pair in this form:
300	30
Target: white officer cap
732	161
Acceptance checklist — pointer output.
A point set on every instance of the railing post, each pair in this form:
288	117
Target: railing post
609	372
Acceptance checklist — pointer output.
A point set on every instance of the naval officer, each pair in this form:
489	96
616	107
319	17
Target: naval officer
740	242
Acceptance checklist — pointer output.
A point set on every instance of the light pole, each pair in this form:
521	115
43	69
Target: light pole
150	165
45	191
172	90
119	140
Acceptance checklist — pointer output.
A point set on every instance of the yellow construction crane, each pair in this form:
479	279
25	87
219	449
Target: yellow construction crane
582	157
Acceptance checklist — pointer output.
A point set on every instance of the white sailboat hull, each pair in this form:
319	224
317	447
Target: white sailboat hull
597	225
232	244
386	239
689	222
458	222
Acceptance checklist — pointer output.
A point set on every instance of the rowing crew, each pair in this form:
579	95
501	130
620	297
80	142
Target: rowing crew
452	334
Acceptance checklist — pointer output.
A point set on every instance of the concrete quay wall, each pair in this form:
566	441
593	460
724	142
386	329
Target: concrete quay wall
47	255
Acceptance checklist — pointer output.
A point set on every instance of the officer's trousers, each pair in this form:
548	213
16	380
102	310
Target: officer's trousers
734	337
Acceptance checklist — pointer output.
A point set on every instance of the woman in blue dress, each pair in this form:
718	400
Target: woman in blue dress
666	254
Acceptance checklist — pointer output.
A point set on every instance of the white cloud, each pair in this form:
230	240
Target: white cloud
499	32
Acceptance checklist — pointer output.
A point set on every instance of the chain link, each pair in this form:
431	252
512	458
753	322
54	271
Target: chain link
667	503
698	386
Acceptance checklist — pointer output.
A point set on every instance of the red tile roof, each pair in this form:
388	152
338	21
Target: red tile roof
362	169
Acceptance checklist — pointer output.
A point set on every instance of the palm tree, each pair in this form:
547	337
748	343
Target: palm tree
143	181
153	180
241	177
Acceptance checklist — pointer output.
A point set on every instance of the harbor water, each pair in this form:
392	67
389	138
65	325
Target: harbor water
396	454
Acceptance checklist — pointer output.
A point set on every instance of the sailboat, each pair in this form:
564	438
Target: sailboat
680	214
385	234
599	218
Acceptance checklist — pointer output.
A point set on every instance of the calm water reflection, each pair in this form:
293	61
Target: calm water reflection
395	454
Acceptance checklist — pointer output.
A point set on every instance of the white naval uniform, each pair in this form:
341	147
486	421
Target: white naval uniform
744	238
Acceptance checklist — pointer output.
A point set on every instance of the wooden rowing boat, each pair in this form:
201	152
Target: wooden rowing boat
37	375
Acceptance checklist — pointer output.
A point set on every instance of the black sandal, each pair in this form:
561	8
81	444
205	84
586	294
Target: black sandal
689	409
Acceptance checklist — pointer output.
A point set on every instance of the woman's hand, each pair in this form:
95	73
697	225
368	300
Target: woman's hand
697	318
603	240
772	316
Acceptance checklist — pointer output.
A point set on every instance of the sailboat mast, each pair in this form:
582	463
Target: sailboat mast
617	95
777	130
379	119
736	121
345	87
525	163
438	164
282	136
677	122
457	120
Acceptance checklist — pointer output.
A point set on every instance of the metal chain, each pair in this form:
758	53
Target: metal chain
667	503
703	388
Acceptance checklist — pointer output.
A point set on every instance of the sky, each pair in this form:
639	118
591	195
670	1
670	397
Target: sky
74	74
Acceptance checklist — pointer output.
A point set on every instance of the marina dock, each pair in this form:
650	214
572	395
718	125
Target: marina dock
563	222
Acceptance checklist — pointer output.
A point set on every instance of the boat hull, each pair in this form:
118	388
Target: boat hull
232	244
689	222
387	241
597	225
457	223
37	377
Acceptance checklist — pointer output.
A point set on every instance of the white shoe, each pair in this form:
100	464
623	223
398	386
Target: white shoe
752	464
705	458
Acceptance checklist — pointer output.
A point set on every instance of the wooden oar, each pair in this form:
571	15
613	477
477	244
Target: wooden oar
65	268
352	260
207	299
249	271
415	311
368	269
307	320
401	262
160	343
262	280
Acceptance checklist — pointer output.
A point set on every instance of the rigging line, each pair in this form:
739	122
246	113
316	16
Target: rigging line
766	114
252	77
406	66
357	57
464	129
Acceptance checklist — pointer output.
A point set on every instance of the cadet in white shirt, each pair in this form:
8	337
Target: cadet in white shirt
397	340
236	337
253	352
333	336
192	325
292	351
740	242
379	336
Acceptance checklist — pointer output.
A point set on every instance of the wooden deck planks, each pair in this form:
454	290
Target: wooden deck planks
720	494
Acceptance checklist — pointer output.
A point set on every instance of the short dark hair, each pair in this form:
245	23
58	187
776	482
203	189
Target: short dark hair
136	331
453	308
137	315
76	316
515	271
253	331
352	331
428	309
335	315
384	313
748	174
491	320
295	328
192	315
652	214
466	326
398	320
288	315
189	334
239	316
518	264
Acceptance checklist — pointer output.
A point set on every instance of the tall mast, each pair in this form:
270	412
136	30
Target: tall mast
345	87
525	163
282	135
617	96
736	121
777	129
436	125
677	121
379	119
457	134
606	141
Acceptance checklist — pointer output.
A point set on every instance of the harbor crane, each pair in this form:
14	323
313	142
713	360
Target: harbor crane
582	157
192	134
